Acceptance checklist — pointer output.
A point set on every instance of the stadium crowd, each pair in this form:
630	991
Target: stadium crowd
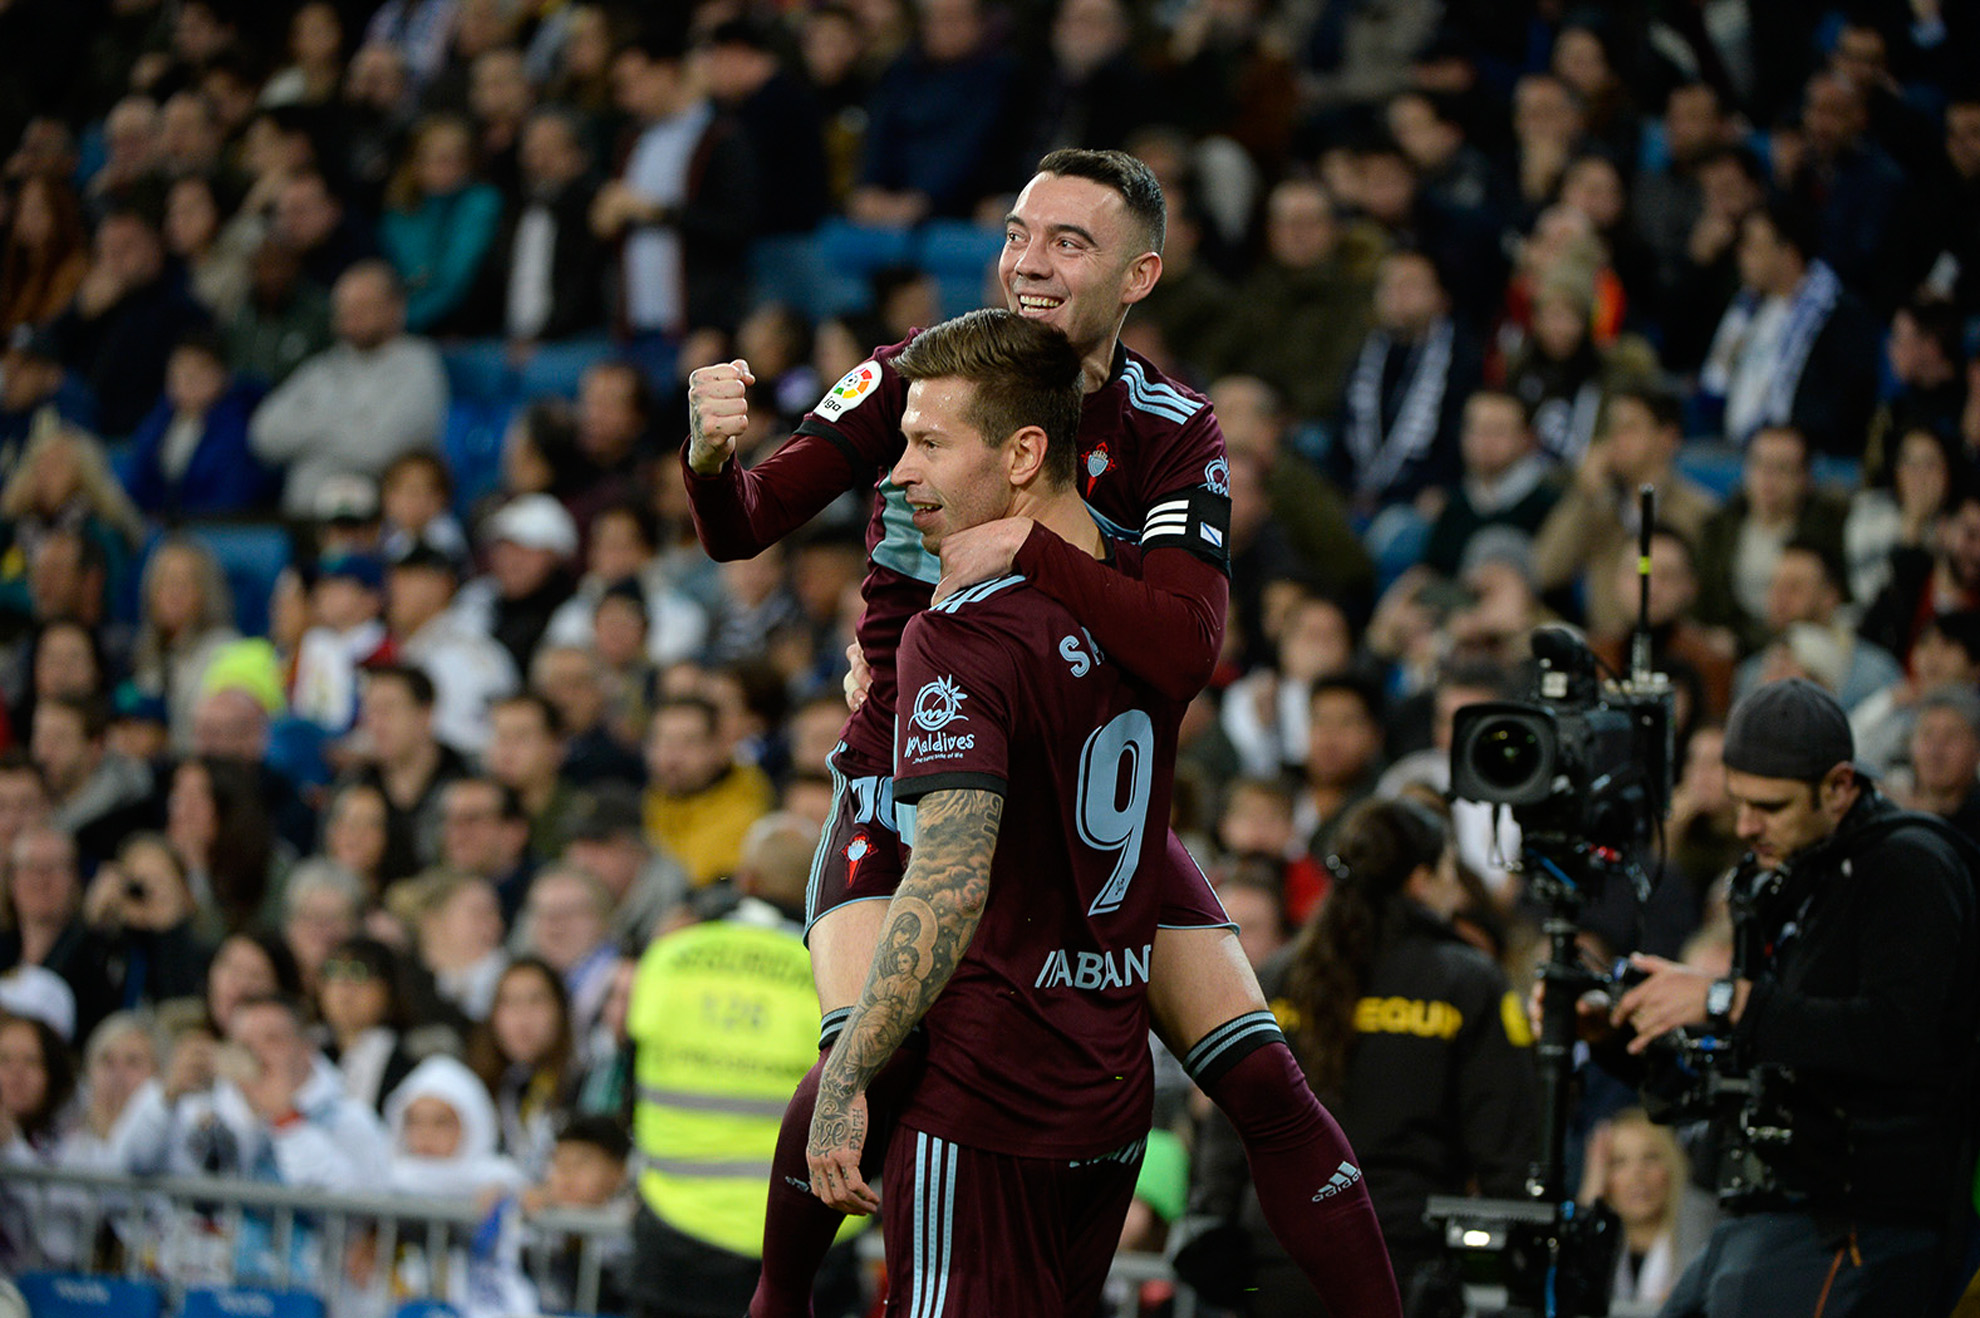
367	704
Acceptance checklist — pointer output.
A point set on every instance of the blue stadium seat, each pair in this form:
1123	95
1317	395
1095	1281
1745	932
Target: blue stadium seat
426	1309
249	1302
1714	466
64	1295
252	556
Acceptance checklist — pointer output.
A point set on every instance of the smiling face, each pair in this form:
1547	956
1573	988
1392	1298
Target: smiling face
952	477
1075	258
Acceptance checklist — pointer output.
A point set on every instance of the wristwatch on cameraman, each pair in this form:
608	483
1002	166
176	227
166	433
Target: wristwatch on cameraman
1719	998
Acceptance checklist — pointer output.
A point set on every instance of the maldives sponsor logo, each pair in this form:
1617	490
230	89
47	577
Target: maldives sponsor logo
940	746
1094	970
939	704
850	391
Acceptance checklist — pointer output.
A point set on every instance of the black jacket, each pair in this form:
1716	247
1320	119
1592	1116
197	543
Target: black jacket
1441	1090
1871	1003
579	271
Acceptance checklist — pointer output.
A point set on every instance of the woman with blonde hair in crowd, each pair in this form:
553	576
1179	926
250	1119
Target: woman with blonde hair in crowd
1638	1168
64	482
188	615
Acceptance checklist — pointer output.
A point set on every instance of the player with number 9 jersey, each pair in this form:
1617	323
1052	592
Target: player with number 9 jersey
1047	1014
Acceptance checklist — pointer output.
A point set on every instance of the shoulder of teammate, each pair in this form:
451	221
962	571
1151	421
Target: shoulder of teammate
861	413
1184	476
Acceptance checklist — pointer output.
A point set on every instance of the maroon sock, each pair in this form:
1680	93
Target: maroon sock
797	1226
1308	1182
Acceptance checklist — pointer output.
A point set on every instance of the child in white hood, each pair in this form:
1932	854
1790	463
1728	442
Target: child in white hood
443	1130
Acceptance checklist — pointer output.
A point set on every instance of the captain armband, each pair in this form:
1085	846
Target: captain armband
1197	519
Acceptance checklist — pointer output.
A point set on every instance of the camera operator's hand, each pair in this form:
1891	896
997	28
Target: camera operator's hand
1672	997
1591	1014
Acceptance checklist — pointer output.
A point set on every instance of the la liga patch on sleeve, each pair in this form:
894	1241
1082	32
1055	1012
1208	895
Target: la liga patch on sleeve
851	390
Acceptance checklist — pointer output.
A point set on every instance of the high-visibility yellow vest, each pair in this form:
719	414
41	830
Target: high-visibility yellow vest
724	1020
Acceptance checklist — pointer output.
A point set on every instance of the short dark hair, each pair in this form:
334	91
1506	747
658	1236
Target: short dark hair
1363	690
600	1132
1792	224
93	710
433	462
1024	373
699	704
1666	411
418	685
510	803
1127	175
1825	555
553	722
1938	320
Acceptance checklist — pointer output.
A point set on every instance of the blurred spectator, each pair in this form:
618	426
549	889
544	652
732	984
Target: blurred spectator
415	505
1639	1170
46	928
284	321
543	285
700	800
470	672
1804	609
1398	437
33	385
420	28
1946	654
838	64
608	841
484	834
531	541
1777	501
457	925
625	548
64	481
1843	180
526	1053
444	1131
142	906
439	225
362	1002
566	923
46	253
526	754
1667	196
405	762
1265	712
128	312
218	825
215	253
500	98
356	406
24	801
1945	755
1706	271
615	415
1949	209
572	679
1097	93
1306	305
126	1050
776	113
1941	575
230	722
190	455
1506	481
130	152
1901	507
682	206
316	51
37	1080
587	1170
939	136
1795	348
1561	373
98	794
321	907
245	966
312	222
378	106
347	632
1343	757
1703	818
1924	352
1592	530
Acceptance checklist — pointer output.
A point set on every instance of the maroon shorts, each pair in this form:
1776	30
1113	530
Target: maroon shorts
861	857
972	1234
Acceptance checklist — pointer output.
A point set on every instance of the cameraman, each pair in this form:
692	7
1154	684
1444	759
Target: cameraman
1857	1001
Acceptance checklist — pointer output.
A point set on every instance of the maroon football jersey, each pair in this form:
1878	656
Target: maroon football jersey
1145	445
1039	1044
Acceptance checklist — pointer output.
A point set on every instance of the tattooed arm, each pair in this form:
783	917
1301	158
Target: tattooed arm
930	921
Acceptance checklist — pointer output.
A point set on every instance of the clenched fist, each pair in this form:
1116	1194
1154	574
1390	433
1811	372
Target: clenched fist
718	412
